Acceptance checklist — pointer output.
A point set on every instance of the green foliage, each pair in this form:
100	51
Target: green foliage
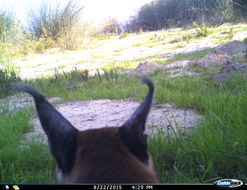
53	21
240	10
165	13
177	57
101	36
216	147
201	30
16	155
187	36
11	36
241	59
14	41
7	25
230	33
245	40
7	76
56	25
7	71
44	43
7	52
73	39
123	35
111	26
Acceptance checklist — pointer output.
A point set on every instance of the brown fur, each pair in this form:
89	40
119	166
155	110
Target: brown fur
106	155
102	157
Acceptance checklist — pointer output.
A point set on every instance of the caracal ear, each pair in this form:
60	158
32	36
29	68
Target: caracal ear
62	136
132	131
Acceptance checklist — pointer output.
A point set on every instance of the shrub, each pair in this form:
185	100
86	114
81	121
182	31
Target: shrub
7	52
7	25
111	26
201	30
245	40
5	78
55	24
166	13
123	35
73	39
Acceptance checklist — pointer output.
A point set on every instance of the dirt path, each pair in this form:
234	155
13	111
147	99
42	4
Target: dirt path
109	113
103	113
106	113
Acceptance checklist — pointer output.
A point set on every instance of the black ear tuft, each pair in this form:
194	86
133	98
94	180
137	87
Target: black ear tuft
62	136
132	132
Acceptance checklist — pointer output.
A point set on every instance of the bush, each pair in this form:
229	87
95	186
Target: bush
201	30
245	40
55	25
161	14
5	78
7	25
123	35
110	27
73	39
7	52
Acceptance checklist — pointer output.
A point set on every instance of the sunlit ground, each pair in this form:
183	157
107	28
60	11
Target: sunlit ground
125	50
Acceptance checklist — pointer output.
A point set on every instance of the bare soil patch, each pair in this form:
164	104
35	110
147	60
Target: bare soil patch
230	70
222	55
218	58
111	113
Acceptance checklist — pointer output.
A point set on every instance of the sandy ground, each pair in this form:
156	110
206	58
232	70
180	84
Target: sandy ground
110	113
104	112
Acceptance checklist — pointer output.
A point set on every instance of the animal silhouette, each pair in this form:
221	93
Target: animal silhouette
105	155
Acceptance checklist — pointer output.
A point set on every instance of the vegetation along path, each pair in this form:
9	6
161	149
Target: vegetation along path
199	91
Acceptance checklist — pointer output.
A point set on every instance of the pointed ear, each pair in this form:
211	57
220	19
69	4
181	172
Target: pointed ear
62	136
132	132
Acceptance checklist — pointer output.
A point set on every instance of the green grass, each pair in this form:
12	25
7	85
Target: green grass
6	76
106	51
193	55
7	52
215	149
21	161
31	162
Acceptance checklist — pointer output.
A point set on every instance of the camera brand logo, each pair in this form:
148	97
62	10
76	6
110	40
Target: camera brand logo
229	183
